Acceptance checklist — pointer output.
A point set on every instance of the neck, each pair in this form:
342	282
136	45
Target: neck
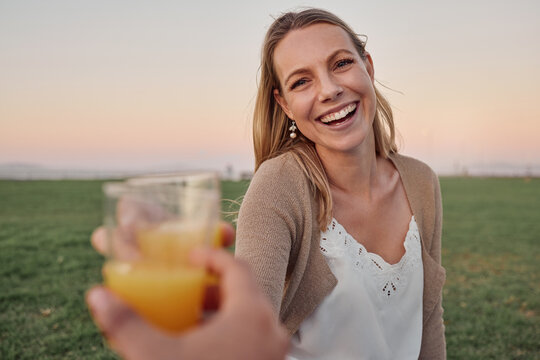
352	173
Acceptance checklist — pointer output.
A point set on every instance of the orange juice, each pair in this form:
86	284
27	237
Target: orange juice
171	242
169	297
162	286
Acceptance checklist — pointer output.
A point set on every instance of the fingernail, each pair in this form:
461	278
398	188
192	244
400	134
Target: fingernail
95	297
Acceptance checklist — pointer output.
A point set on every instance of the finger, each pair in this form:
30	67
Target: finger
227	234
132	213
99	240
216	260
109	312
128	216
125	331
119	246
236	279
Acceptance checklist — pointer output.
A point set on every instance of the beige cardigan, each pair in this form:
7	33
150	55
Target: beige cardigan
278	235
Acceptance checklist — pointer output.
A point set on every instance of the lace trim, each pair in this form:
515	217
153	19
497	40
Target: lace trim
389	278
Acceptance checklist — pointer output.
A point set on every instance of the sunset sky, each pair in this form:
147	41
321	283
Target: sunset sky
162	84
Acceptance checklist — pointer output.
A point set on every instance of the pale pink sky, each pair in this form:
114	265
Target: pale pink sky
135	85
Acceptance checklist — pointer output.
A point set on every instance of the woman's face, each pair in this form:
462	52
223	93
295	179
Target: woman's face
326	87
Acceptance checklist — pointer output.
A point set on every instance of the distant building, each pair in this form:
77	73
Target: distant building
246	175
229	172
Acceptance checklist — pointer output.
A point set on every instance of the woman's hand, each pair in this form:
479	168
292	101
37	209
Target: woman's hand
245	326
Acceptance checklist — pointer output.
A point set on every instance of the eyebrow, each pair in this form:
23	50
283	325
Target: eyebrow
303	70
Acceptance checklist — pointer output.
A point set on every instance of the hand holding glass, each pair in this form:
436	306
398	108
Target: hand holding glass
153	223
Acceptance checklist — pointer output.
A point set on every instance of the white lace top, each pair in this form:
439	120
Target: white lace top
375	310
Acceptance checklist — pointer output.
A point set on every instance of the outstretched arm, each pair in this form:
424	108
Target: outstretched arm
245	326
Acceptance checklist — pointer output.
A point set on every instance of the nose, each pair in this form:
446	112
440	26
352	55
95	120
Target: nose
329	89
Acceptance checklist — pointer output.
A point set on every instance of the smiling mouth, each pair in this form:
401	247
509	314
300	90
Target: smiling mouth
339	116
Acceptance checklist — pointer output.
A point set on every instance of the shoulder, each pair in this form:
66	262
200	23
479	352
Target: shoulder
411	167
279	187
282	165
282	173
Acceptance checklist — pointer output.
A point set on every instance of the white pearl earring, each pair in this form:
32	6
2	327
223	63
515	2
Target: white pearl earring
292	129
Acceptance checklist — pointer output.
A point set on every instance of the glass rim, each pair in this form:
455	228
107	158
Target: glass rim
138	183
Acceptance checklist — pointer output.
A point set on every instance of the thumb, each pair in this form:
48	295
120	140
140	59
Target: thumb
126	332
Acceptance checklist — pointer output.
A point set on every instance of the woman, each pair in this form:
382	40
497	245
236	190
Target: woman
343	233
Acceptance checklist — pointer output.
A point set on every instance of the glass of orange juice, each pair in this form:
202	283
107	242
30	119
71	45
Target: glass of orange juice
153	223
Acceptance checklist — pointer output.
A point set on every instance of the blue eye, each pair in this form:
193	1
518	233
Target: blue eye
298	83
344	62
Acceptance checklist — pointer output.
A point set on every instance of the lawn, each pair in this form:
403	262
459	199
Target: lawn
491	243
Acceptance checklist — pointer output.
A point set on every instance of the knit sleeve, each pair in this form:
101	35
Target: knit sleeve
433	340
435	250
270	218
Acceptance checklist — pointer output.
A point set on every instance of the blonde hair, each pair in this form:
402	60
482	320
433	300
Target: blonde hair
270	123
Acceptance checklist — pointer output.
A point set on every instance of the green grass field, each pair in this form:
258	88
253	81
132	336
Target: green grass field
491	244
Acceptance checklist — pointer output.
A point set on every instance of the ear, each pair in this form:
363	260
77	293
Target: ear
282	103
369	66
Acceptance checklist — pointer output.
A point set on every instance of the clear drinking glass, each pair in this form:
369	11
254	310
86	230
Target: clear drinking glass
153	223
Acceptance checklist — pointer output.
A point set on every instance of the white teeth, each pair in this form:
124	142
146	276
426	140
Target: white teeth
338	115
